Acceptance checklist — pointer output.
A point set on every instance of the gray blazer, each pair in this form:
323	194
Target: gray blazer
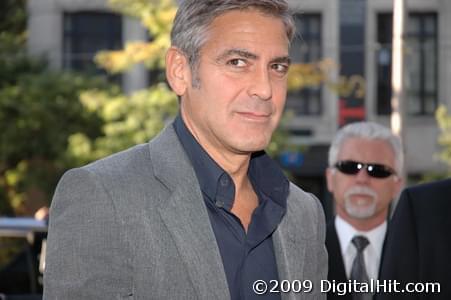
135	226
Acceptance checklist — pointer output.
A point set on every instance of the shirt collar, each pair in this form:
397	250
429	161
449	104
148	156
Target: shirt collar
265	174
208	172
346	232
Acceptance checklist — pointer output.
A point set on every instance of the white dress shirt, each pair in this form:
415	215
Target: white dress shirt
372	252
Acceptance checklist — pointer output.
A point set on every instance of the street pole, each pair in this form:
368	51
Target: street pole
398	96
398	87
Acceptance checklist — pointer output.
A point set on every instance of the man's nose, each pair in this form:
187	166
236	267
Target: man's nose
260	85
362	176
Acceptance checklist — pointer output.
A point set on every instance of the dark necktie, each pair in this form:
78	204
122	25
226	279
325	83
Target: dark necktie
358	271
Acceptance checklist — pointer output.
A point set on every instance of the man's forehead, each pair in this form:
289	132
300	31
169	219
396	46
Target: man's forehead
243	25
253	48
369	149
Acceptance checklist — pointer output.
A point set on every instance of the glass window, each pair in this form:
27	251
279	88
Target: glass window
384	37
306	48
421	62
85	33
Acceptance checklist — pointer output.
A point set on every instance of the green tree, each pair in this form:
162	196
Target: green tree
38	113
136	118
39	110
444	140
12	24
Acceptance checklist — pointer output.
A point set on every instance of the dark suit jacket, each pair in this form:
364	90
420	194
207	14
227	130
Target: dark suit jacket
418	247
336	266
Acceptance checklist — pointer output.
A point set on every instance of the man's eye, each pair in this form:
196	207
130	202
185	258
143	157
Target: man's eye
280	68
237	62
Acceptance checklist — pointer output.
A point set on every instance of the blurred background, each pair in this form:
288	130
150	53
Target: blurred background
81	79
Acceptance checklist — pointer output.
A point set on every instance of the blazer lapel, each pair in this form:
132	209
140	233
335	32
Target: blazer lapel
184	213
289	251
336	264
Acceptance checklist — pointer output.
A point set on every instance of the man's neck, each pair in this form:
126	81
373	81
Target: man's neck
245	201
233	163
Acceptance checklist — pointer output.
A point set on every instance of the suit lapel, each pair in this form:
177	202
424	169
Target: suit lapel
185	215
336	264
289	251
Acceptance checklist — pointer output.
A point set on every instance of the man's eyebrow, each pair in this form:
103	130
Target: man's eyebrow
282	60
238	52
250	55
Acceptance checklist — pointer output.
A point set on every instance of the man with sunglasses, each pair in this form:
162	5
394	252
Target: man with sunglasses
365	160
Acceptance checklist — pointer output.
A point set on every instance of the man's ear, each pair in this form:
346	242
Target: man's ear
399	184
178	72
329	179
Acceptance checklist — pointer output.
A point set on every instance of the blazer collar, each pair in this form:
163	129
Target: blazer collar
289	249
184	213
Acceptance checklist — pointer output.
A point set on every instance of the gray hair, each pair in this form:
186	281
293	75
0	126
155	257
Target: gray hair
193	18
369	131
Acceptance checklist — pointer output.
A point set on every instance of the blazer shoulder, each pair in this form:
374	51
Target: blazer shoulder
108	169
126	177
299	199
307	210
130	159
424	198
440	189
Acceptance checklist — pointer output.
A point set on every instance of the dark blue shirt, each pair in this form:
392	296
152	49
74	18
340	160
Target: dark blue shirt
246	257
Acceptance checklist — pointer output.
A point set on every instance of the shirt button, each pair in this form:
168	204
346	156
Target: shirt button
220	203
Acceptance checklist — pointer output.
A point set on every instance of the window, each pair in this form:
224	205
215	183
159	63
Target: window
421	63
384	38
85	33
306	48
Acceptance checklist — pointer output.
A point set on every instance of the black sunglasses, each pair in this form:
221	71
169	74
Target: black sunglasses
351	167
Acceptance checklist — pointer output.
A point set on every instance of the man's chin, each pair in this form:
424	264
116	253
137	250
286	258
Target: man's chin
251	145
361	210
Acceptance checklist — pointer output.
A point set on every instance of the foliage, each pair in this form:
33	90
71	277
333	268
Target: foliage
444	140
444	124
11	247
130	119
39	110
156	17
303	75
12	17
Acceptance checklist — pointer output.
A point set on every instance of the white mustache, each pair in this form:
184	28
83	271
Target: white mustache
361	190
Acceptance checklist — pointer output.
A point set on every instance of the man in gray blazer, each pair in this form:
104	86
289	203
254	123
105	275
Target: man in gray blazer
199	212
